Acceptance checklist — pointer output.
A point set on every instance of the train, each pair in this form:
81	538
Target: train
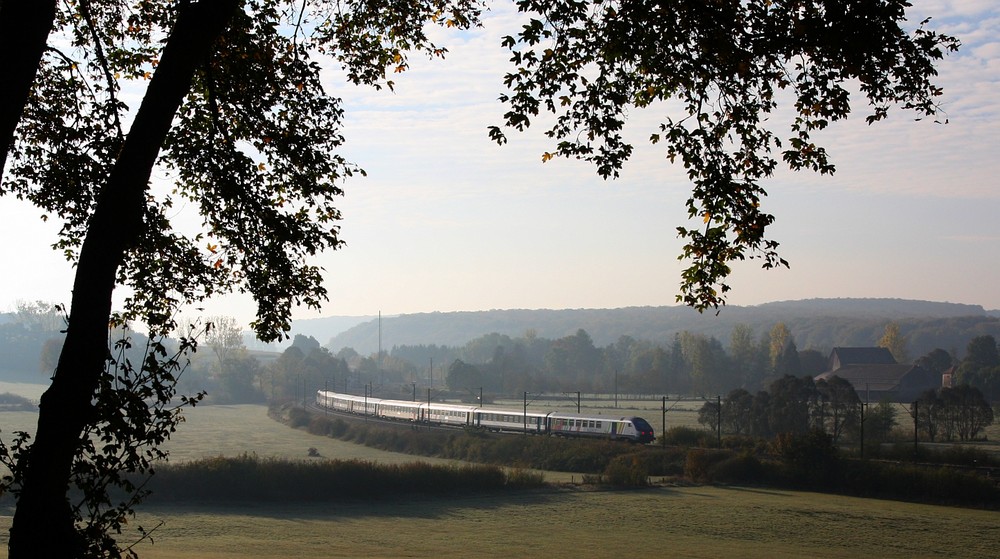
632	429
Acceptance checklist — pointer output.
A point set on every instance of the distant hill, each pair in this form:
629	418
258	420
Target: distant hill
322	329
816	324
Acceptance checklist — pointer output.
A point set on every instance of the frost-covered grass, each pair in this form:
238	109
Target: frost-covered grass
707	522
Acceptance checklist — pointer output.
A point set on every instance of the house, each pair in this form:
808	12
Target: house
845	356
948	377
876	376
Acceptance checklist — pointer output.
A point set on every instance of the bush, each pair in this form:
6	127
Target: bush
918	483
811	458
662	461
696	466
744	467
298	417
686	436
626	471
249	478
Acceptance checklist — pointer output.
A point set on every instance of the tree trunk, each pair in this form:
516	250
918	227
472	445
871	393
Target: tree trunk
43	522
24	30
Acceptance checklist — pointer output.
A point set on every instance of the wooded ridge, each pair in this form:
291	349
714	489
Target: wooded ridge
815	323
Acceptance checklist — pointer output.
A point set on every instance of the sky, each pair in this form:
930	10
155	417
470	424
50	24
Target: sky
446	220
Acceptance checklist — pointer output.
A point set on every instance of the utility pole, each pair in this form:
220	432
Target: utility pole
577	401
616	388
663	428
718	418
480	405
367	391
380	347
862	408
525	412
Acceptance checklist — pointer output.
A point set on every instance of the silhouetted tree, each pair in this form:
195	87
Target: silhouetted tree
790	405
839	406
965	411
737	412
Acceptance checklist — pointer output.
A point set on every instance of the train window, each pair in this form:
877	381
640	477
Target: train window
598	424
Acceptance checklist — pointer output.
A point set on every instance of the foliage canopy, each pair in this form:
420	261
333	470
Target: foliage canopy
725	67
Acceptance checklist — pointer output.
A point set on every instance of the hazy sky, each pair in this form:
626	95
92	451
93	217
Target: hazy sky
447	220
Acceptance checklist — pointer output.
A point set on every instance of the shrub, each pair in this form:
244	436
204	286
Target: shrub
298	417
744	467
696	466
811	458
626	471
685	436
523	479
249	478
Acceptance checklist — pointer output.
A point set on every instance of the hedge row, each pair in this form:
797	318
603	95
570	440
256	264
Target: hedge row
251	478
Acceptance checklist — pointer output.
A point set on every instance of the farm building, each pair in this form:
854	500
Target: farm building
876	376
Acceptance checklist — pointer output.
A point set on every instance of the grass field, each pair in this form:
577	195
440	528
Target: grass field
668	521
708	522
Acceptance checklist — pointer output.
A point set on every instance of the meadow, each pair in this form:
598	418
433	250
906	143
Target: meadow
697	522
566	520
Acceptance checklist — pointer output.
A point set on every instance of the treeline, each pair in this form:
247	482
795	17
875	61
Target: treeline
690	363
229	374
693	364
797	406
30	339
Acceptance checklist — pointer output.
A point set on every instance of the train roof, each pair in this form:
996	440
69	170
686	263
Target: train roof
450	407
559	415
512	412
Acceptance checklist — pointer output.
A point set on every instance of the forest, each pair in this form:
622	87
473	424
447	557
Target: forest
689	363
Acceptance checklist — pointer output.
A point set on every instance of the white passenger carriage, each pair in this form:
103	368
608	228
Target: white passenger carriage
447	414
581	425
404	411
509	420
347	402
